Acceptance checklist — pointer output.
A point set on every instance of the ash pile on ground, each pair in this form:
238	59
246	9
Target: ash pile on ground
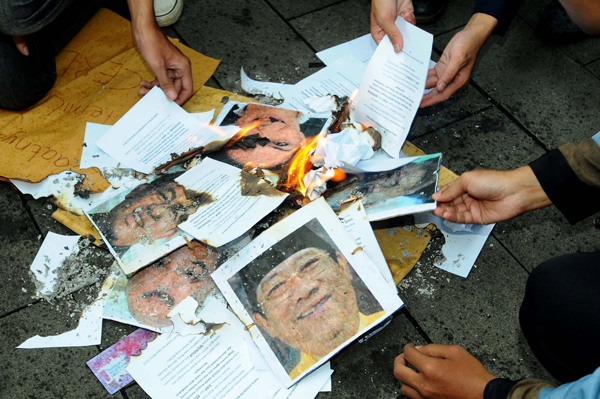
87	266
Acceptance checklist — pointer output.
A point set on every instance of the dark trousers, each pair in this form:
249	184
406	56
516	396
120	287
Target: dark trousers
26	79
560	315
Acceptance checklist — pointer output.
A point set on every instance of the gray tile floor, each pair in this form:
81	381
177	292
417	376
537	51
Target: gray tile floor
525	98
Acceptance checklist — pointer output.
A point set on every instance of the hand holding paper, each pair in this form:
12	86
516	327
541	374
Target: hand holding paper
393	85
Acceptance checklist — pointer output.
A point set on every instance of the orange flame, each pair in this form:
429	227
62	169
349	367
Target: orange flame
243	131
300	166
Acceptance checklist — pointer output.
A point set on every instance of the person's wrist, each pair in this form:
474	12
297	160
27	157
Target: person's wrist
482	26
531	194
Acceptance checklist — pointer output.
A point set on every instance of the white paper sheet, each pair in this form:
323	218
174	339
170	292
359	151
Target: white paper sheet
54	250
204	117
270	89
341	78
362	48
213	366
146	136
462	247
320	215
354	218
91	154
232	213
393	85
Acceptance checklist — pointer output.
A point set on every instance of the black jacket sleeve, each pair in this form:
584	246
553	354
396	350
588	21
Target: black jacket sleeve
503	10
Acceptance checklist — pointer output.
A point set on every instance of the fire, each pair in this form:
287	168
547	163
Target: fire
243	131
300	166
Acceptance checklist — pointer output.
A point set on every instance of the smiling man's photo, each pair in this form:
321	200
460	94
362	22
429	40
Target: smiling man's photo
305	298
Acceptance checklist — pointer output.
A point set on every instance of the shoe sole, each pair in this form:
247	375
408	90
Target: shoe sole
172	16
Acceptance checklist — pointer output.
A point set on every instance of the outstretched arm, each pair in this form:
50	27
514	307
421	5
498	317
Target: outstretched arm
172	69
489	196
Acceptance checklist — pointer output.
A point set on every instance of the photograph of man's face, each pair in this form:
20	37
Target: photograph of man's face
269	137
303	293
150	212
411	184
155	290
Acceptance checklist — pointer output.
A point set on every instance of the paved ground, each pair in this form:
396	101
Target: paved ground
525	98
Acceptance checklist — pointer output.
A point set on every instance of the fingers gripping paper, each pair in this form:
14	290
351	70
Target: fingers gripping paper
98	81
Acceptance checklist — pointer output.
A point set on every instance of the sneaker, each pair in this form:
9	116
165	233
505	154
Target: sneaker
167	12
428	11
556	27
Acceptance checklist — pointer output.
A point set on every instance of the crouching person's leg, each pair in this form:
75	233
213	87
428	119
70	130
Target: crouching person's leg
25	79
560	315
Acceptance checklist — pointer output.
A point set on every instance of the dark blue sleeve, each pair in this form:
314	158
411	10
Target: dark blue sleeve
503	10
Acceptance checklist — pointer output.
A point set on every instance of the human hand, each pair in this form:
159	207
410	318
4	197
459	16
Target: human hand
443	372
454	68
490	196
21	44
383	20
173	69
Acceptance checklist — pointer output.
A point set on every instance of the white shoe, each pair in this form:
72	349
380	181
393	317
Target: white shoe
167	12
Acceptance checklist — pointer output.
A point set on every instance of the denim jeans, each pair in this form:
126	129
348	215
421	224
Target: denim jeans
24	80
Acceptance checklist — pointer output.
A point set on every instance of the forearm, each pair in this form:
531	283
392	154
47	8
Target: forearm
142	17
531	195
503	10
482	26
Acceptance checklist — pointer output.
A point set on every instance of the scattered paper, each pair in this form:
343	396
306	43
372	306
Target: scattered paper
362	48
388	194
215	366
355	221
272	286
109	365
238	200
54	250
463	243
270	89
393	85
341	78
155	129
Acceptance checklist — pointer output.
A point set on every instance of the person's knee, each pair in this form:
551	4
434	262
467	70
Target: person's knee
585	13
543	287
18	99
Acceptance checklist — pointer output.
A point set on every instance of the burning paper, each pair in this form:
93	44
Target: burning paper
292	314
269	137
109	366
401	191
155	130
393	85
236	199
